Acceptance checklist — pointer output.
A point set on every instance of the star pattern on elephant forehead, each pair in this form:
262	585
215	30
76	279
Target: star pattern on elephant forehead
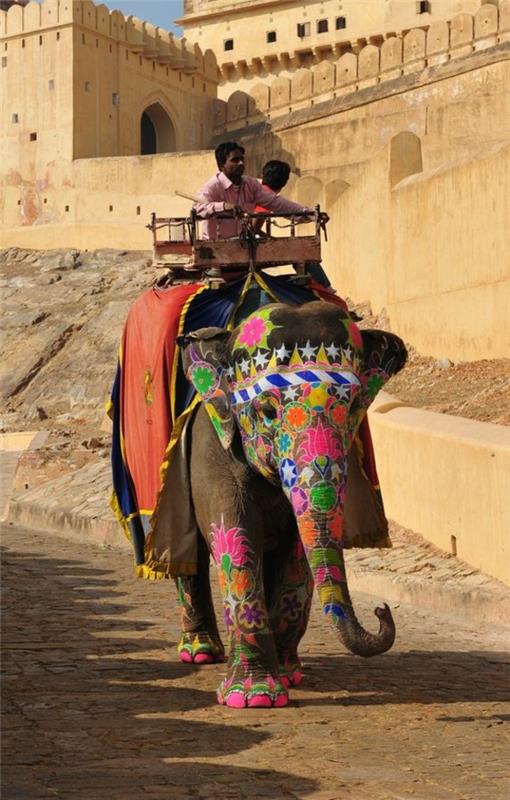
288	379
250	367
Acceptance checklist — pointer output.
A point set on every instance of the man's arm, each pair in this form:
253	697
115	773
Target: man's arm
211	199
278	204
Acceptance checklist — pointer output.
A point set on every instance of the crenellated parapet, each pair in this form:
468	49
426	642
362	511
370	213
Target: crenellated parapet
382	60
140	37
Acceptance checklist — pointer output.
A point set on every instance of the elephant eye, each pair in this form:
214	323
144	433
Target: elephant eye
269	411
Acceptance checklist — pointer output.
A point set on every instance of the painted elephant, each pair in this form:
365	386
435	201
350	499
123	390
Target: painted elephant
283	396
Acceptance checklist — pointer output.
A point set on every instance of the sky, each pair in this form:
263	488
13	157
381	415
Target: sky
159	12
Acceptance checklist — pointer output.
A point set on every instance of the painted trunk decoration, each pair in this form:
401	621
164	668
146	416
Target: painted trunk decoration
297	415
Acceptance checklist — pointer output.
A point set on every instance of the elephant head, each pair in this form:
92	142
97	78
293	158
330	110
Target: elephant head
296	382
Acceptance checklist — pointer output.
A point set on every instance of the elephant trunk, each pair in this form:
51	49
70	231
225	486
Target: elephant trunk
321	536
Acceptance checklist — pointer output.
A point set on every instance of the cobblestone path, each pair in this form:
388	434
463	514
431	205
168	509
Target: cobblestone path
96	704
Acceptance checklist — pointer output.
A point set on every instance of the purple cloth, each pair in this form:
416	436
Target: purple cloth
247	195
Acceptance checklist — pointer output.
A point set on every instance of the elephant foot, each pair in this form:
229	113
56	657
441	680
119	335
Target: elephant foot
291	673
294	679
250	693
200	648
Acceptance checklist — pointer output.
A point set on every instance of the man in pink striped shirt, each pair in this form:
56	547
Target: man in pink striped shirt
231	190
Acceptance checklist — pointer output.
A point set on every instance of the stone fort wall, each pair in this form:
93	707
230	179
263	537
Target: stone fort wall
410	162
398	55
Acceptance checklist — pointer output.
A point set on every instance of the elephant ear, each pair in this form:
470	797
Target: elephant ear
384	354
205	362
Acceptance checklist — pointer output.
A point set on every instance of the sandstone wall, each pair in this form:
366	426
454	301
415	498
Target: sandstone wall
379	62
75	80
327	29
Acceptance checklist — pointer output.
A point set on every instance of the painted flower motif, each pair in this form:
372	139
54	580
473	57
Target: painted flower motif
329	574
299	500
229	542
241	582
338	414
283	443
320	441
204	378
335	525
355	334
246	423
308	531
323	496
252	332
252	616
297	416
317	397
291	607
374	384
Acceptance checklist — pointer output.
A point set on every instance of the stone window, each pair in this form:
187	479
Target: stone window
303	29
83	38
116	99
23	43
322	26
40	40
341	23
33	137
58	36
88	87
271	37
51	84
138	211
4	61
66	209
228	44
5	46
423	7
15	119
110	208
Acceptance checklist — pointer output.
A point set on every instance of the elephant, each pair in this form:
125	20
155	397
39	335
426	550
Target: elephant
282	397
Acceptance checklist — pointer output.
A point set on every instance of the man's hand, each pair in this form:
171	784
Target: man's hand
231	207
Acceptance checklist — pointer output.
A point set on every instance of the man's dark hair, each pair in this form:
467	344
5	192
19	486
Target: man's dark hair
223	150
275	174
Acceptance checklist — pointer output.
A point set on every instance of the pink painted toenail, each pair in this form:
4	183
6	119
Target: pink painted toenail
186	657
203	658
281	701
259	701
235	700
297	677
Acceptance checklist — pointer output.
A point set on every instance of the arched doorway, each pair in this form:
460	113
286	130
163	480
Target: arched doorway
157	133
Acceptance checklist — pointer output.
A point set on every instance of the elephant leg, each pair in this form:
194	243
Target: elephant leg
252	674
200	641
290	607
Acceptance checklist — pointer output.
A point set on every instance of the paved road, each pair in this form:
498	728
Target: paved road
96	704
